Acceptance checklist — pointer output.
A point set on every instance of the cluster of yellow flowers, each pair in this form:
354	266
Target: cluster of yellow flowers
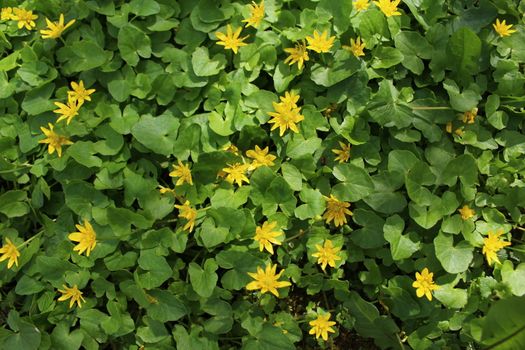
26	19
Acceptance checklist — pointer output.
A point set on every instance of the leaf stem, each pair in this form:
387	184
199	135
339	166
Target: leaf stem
30	239
429	108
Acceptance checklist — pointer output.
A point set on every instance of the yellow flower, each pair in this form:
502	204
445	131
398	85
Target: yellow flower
321	326
466	212
327	254
448	127
25	18
267	280
290	99
343	154
502	28
424	284
336	210
67	111
260	157
54	29
54	140
257	14
71	293
232	149
231	40
492	244
356	47
298	54
164	190
188	213
7	14
9	251
183	173
236	173
320	43
361	5
388	7
459	132
266	236
86	238
79	93
469	117
285	117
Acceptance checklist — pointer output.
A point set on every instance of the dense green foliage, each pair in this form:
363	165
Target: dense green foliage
422	136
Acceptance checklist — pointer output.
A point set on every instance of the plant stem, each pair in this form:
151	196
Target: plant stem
429	108
30	239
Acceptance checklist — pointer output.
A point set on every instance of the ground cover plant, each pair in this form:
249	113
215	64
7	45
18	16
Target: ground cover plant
282	174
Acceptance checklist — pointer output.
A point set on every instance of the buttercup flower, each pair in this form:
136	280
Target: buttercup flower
236	173
343	154
321	326
188	213
9	251
231	39
285	117
256	16
183	172
361	5
298	54
267	280
164	190
260	157
290	99
54	29
448	127
232	149
320	43
356	47
7	14
79	94
466	213
54	140
25	18
388	7
266	235
336	210
86	238
68	111
469	117
71	293
424	284
327	254
502	28
492	244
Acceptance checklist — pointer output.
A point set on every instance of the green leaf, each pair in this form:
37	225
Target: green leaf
464	50
514	278
355	183
386	57
82	56
144	7
203	66
454	298
28	337
204	280
453	258
132	43
344	67
167	307
387	109
13	204
157	133
401	246
83	152
314	204
37	101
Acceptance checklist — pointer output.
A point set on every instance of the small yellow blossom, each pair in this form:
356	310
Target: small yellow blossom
71	293
231	148
336	210
260	157
68	111
25	18
298	54
86	238
502	28
266	235
448	127
466	213
256	14
388	7
343	154
183	172
79	93
356	47
285	117
164	190
7	14
326	254
361	5
321	326
290	99
236	173
231	39
492	244
188	213
459	132
267	280
424	284
55	29
320	43
54	140
9	251
469	117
